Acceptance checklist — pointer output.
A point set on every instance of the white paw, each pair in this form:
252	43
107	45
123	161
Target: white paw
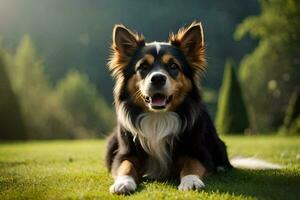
123	185
190	182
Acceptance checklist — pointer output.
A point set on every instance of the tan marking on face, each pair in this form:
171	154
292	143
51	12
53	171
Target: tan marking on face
166	58
148	58
190	166
180	87
135	93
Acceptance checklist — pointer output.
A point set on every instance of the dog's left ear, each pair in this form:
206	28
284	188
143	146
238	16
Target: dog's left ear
190	41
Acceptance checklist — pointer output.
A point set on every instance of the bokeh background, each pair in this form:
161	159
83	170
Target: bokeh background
54	81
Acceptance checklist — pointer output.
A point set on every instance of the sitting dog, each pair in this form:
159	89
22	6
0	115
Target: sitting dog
163	128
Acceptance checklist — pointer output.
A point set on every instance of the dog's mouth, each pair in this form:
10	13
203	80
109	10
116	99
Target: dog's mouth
158	101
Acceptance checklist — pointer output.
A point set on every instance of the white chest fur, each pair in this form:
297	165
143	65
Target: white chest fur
156	132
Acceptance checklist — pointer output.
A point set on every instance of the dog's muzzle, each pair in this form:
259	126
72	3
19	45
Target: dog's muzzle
158	101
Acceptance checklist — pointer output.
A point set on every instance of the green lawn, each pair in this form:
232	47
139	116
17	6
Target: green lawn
75	170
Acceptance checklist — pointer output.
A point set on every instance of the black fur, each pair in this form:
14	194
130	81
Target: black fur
198	140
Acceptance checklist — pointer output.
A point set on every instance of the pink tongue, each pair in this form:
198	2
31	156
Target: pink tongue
158	101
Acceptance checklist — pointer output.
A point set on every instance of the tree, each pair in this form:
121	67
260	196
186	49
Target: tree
231	115
11	123
30	86
79	97
292	117
270	74
40	113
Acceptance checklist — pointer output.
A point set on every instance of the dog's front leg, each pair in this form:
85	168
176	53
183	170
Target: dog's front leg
191	173
126	177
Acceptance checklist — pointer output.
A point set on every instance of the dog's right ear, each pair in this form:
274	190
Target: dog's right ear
125	41
125	44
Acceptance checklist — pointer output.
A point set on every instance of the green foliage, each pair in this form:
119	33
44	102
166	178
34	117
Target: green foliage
11	124
79	97
48	113
231	115
292	117
41	115
85	44
31	87
271	72
76	170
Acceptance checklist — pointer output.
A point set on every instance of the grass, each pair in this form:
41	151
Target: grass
75	170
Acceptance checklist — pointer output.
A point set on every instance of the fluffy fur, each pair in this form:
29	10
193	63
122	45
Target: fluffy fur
156	132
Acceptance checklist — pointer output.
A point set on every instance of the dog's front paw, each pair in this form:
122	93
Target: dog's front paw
190	182
123	185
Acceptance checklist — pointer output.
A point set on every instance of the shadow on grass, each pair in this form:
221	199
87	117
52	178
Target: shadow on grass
262	184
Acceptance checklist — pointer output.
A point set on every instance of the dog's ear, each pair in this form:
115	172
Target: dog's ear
125	41
125	44
190	41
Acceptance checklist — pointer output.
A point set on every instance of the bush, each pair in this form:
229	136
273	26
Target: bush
81	101
231	115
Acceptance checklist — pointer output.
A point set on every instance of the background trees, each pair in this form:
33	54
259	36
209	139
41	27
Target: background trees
72	41
77	34
271	73
72	109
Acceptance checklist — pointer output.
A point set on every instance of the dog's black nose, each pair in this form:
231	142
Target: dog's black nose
158	80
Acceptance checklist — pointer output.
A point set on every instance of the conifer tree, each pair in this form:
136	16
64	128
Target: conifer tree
231	115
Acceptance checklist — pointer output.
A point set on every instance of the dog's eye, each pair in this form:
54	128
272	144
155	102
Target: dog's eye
173	66
143	67
143	70
173	69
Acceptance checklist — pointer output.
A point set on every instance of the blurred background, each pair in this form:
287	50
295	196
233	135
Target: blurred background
54	81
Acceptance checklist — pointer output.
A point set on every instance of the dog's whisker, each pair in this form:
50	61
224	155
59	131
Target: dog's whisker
138	94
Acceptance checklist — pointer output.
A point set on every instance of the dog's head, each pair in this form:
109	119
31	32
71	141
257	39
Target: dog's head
157	76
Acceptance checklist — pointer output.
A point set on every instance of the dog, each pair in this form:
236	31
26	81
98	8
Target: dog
164	130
